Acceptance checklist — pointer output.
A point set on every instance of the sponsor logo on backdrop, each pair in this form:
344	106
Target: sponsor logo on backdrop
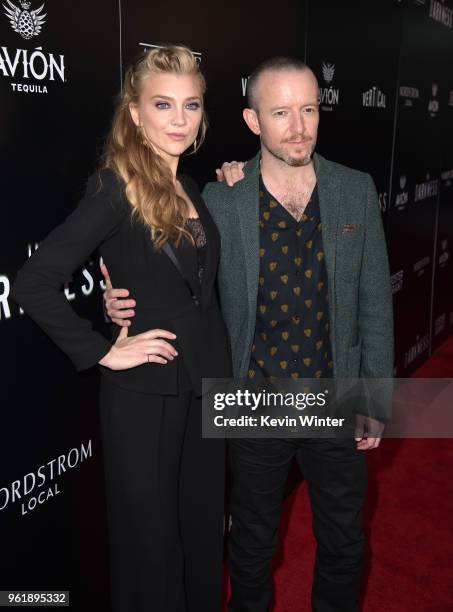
383	201
421	345
441	13
33	70
397	281
244	83
447	176
421	265
409	94
433	105
426	190
439	324
146	46
71	292
445	254
23	21
329	96
374	98
41	484
5	288
402	197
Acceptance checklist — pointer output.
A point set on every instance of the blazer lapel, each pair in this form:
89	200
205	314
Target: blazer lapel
212	243
185	261
329	189
246	200
212	246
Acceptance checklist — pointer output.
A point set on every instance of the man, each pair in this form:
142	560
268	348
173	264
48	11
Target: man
305	293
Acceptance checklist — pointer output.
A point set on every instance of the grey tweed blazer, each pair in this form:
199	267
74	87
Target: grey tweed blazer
356	260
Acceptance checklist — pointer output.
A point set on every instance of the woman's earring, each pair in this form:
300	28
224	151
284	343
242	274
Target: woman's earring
194	149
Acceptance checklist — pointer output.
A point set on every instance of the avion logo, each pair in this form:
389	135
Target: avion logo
23	21
32	70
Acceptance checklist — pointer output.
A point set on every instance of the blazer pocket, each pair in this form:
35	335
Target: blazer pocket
354	360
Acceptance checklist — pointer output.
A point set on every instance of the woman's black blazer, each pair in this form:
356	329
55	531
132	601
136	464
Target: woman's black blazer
104	219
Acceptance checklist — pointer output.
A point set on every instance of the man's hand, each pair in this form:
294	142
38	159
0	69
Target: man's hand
117	309
368	432
231	172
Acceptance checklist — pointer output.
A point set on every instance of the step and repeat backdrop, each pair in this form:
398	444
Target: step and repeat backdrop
386	95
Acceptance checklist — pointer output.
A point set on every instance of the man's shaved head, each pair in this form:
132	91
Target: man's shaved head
274	64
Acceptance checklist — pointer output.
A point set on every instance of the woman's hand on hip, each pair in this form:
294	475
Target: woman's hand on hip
147	347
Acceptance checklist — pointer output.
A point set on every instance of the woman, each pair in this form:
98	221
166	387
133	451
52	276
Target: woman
164	483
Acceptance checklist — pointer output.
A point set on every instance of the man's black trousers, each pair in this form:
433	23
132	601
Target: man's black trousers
336	475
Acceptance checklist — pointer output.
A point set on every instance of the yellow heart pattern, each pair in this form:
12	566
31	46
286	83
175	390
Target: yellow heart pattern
289	344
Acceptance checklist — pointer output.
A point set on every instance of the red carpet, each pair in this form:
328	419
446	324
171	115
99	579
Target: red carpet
408	523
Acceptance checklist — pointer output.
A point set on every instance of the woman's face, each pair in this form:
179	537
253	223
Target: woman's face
170	110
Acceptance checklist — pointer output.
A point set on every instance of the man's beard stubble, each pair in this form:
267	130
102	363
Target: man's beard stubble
295	162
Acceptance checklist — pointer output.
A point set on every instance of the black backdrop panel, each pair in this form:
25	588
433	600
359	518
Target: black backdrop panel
442	311
56	93
415	184
356	66
442	319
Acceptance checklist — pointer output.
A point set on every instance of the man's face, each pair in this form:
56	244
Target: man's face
287	114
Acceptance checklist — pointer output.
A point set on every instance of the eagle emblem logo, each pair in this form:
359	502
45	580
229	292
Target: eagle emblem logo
328	71
23	21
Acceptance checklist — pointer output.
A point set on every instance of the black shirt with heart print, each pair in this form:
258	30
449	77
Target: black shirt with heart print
292	332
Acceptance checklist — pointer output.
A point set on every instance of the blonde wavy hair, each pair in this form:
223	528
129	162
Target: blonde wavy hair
149	185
